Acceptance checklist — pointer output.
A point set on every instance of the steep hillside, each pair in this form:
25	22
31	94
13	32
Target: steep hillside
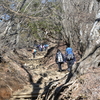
77	24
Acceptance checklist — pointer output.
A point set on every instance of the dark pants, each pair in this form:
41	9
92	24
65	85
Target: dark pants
59	66
34	54
70	64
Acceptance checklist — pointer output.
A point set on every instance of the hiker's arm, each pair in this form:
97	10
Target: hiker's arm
64	57
32	51
74	59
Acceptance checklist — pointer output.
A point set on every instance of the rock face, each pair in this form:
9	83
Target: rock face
12	75
82	28
79	22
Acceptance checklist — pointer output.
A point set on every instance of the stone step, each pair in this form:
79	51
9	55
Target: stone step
35	92
28	94
22	97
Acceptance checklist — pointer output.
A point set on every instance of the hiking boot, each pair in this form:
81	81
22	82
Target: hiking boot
59	70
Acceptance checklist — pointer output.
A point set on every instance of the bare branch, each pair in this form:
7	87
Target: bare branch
24	15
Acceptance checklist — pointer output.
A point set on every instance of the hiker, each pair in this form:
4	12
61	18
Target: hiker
41	47
59	59
69	58
38	47
34	52
45	47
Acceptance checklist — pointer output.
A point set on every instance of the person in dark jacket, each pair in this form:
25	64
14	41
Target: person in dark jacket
59	59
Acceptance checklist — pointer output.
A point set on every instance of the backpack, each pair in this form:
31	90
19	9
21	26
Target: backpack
70	57
60	57
70	54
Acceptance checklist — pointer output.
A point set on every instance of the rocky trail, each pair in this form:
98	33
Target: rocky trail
25	78
39	77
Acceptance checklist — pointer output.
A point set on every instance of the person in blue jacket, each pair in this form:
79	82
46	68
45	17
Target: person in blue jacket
34	52
69	57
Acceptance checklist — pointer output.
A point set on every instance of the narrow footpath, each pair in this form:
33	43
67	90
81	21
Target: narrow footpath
39	77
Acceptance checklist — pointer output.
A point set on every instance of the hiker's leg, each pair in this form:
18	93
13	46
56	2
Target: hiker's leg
59	65
34	54
39	48
69	66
